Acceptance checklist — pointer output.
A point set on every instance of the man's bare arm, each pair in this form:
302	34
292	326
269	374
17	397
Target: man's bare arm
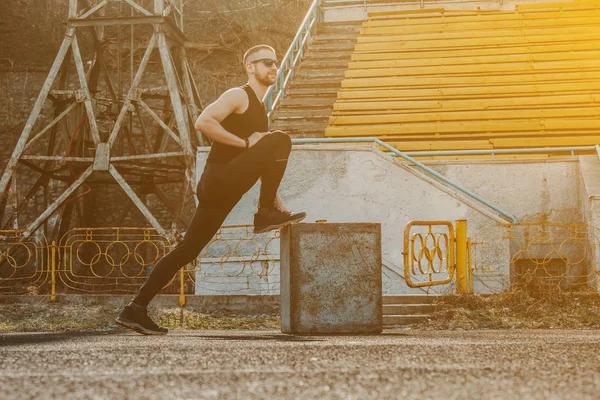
209	122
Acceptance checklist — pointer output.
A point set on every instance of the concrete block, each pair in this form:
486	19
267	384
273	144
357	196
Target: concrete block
331	278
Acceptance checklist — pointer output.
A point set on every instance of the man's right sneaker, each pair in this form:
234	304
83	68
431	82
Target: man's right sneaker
269	219
136	318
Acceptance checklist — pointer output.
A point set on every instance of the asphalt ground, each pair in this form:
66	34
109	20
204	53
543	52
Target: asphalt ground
534	364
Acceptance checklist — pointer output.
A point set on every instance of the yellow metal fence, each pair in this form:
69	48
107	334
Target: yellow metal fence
436	253
118	260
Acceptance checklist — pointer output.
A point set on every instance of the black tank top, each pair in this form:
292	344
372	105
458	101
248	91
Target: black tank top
254	119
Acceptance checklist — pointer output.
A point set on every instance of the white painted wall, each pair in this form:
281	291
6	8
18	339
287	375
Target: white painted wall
359	184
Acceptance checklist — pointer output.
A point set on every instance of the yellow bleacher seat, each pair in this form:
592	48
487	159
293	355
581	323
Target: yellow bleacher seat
459	80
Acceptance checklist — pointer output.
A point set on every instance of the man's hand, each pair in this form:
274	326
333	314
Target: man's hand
255	138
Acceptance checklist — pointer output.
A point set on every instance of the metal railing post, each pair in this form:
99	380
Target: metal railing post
469	266
182	287
53	273
461	256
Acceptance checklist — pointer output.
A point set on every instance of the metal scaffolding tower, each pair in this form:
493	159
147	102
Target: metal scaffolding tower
105	102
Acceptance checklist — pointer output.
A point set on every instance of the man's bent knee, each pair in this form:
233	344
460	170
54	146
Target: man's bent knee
282	140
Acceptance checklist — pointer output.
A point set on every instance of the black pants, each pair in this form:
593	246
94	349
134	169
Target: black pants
221	187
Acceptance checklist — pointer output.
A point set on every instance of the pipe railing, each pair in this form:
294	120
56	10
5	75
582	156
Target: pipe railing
293	57
408	157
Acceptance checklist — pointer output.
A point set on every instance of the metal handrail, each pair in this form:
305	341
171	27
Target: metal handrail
294	54
408	158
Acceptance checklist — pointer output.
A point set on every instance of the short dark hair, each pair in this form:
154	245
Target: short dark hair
256	49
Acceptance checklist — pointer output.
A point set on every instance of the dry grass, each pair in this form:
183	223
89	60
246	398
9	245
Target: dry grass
518	309
49	317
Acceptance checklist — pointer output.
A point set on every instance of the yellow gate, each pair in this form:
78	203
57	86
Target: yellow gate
433	253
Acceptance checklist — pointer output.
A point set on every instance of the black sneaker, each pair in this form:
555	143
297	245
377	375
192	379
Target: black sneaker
268	219
136	317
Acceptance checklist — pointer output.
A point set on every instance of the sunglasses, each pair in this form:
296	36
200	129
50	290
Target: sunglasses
267	61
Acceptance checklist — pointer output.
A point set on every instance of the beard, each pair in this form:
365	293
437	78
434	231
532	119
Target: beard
266	79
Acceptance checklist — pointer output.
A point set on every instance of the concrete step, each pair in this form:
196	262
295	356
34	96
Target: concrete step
324	63
304	112
321	73
315	118
320	83
302	92
336	37
408	309
409	299
308	101
332	47
393	320
332	55
349	27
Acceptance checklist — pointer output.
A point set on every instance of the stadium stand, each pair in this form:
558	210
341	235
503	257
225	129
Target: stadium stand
435	79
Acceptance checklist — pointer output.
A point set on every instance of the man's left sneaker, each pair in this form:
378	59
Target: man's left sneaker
136	318
269	219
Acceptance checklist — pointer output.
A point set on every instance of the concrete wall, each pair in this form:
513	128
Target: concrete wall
358	184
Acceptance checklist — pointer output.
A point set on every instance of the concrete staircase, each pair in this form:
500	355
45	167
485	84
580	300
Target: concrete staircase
407	309
309	99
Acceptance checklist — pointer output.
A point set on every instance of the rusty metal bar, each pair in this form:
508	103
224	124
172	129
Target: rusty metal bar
132	91
50	125
138	7
136	200
73	8
461	257
89	107
53	276
58	202
94	9
170	75
147	156
8	171
57	158
160	122
159	7
182	287
116	21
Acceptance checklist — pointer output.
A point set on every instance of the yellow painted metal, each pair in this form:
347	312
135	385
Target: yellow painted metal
503	143
479	60
427	254
441	145
53	273
451	53
565	4
379	14
442	43
438	80
182	287
468	92
442	81
457	18
115	260
340	108
588	112
432	128
472	27
544	31
461	256
497	246
481	69
469	266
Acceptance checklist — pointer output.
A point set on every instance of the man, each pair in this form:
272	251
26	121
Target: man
243	151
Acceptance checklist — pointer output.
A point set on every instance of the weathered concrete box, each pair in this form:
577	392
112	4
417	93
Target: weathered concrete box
331	278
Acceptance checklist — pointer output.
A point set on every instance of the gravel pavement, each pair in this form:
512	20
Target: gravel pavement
267	364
